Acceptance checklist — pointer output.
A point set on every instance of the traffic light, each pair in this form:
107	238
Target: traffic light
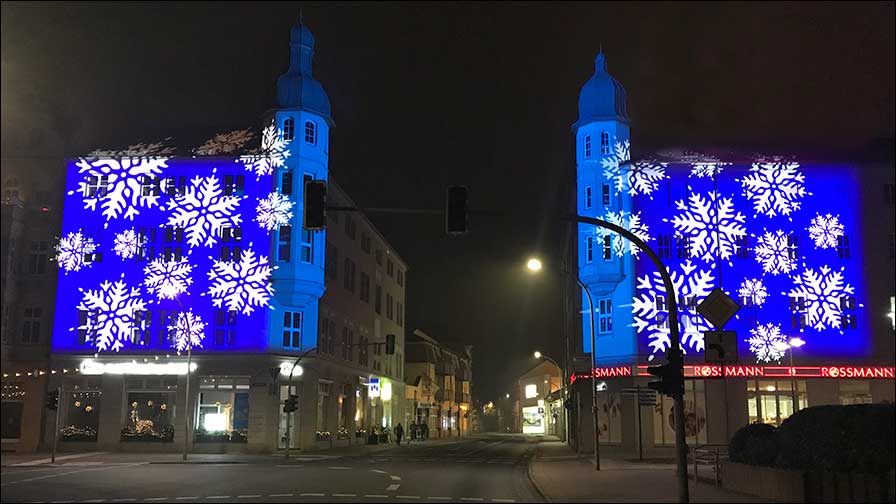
291	404
390	344
456	215
315	215
671	377
53	400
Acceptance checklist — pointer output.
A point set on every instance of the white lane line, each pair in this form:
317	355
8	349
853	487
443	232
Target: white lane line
156	499
311	495
439	498
64	457
393	487
94	500
395	478
408	496
129	499
345	495
249	496
378	471
287	465
476	499
218	497
339	467
280	495
503	500
376	496
186	498
56	475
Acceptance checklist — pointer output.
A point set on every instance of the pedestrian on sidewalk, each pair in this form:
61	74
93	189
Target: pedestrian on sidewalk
399	432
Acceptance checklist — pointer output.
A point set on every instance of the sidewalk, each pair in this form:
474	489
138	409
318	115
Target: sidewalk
562	476
101	457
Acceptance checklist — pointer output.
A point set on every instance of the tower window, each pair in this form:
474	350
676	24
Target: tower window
665	249
604	143
589	249
843	247
310	132
608	247
289	129
792	246
684	247
284	239
605	195
292	329
587	196
587	146
605	315
286	183
740	247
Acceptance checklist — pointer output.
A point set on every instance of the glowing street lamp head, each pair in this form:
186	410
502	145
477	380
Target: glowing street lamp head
797	342
537	354
534	265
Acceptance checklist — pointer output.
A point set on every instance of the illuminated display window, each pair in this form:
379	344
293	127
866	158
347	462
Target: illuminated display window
222	410
772	401
150	410
694	416
531	391
292	329
81	412
289	129
310	132
587	196
587	146
855	391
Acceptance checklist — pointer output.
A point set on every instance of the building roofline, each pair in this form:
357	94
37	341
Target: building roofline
392	252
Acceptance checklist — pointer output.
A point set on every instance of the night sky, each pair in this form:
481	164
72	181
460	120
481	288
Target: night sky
427	95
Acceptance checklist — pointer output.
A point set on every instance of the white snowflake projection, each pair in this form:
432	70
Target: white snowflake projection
627	220
272	155
706	169
203	209
127	243
138	150
767	343
773	252
273	211
638	177
111	310
821	294
824	230
225	143
774	188
75	251
692	285
189	331
712	223
121	186
752	290
241	285
167	279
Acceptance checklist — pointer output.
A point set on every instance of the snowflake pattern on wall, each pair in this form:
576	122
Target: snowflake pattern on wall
774	188
712	223
753	292
225	143
639	177
167	279
241	285
273	211
111	310
203	210
773	253
824	230
706	169
821	293
629	221
74	251
273	153
691	284
189	331
127	243
118	185
767	343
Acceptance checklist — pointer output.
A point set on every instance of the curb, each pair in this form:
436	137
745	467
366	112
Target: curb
537	488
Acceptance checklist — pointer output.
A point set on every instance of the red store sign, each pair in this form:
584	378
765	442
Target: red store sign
716	371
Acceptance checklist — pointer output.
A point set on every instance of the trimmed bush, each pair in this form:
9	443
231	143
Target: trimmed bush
854	438
755	444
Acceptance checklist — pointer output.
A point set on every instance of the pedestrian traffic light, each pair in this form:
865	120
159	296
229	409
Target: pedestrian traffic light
671	377
315	214
456	214
291	403
53	400
390	344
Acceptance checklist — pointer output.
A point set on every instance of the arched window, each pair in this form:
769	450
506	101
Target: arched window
604	143
289	129
310	132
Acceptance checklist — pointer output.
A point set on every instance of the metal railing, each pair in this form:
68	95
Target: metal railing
709	455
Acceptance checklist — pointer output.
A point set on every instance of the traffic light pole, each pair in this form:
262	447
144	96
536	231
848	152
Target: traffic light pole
56	424
289	394
673	355
593	377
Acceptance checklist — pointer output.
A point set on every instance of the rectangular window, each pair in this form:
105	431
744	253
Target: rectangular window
346	343
286	183
332	261
365	242
351	227
225	327
605	195
378	299
348	280
390	267
684	246
847	321
292	329
284	243
231	248
741	249
81	412
141	327
587	197
399	314
605	315
843	247
608	247
604	143
365	287
38	257
234	185
96	186
589	249
146	250
307	246
665	246
310	132
792	246
587	146
379	256
31	325
389	311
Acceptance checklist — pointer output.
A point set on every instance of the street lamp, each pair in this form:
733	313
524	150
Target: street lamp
533	262
187	412
788	346
565	391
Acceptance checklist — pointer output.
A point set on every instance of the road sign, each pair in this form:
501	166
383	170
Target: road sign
720	347
581	363
718	308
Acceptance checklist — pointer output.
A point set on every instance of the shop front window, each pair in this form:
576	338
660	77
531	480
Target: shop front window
771	401
150	410
222	411
11	410
855	392
609	418
694	415
81	410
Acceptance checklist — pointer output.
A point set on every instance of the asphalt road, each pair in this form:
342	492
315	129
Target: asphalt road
482	469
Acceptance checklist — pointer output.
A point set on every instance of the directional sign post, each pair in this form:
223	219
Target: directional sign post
720	347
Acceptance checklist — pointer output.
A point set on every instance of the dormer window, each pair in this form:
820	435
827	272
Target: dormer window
604	143
289	129
587	146
310	132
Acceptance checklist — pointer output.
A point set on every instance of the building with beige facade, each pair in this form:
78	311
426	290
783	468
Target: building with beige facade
448	411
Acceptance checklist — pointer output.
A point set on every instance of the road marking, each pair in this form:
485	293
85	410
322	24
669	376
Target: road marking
186	498
345	495
477	499
340	468
290	465
311	495
393	487
250	496
280	495
378	471
439	498
376	496
408	496
395	478
503	500
71	472
156	499
64	457
94	500
123	500
218	497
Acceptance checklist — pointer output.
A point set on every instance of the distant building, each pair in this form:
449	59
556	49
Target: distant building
450	374
540	402
804	246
